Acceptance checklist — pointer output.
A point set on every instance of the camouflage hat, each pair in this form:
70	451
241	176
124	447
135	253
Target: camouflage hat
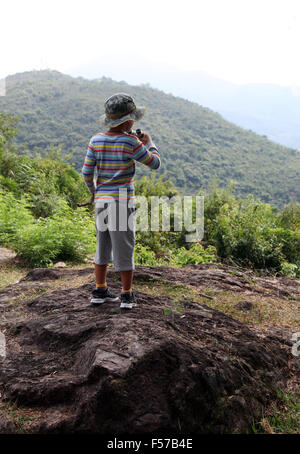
120	108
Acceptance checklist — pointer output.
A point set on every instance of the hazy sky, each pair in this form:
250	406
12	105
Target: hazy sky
240	41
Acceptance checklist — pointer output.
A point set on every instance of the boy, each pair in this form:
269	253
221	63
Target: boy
114	153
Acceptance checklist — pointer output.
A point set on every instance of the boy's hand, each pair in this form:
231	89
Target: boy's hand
146	138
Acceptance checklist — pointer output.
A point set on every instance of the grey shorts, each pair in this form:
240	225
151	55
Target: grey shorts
115	227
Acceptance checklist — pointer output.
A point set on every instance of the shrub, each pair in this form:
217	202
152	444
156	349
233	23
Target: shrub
67	235
195	255
243	230
144	255
290	269
44	180
14	217
289	218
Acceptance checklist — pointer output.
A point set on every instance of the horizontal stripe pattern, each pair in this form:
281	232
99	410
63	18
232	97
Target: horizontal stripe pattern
112	158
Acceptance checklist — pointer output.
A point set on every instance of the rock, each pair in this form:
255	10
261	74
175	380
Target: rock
42	274
60	265
223	277
103	370
244	305
283	334
6	254
7	426
13	291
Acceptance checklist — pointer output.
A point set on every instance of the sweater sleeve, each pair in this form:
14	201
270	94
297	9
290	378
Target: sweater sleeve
89	168
147	155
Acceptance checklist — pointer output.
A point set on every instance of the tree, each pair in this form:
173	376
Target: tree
8	131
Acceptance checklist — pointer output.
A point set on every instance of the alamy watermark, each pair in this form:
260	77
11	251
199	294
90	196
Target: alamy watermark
296	346
2	87
2	345
156	213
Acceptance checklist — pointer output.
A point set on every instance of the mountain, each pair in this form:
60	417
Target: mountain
196	143
267	109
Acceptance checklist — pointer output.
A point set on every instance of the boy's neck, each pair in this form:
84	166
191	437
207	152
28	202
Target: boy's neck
114	133
116	130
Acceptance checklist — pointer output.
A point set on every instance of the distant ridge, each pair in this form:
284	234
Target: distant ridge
196	143
266	108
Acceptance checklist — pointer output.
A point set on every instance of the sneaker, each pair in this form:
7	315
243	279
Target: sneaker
99	297
128	301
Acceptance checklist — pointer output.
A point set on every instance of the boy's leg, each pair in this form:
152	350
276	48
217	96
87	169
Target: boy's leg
100	273
127	279
128	300
103	256
102	294
123	241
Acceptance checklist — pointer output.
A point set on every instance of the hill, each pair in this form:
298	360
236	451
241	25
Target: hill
214	367
196	143
267	109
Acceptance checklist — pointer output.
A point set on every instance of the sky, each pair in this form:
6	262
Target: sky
240	41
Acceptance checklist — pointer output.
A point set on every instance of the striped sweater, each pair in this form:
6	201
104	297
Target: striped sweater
114	155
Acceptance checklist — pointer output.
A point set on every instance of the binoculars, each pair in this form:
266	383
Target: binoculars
138	133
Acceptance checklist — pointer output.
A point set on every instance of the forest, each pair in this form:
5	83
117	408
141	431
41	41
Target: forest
196	143
40	218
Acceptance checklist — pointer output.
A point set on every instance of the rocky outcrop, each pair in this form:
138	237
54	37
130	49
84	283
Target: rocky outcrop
224	278
87	368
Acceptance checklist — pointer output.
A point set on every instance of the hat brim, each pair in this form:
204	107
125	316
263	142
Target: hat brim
136	115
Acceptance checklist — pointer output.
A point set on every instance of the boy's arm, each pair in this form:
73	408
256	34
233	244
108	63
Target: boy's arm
88	168
146	154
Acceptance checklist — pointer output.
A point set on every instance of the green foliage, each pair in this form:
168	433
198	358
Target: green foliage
289	241
39	219
195	142
289	218
177	257
46	180
160	242
247	230
214	201
144	255
149	186
283	418
244	231
14	216
169	313
7	131
290	269
66	235
195	255
9	184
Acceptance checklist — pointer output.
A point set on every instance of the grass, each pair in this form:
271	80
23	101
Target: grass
14	269
266	310
11	272
283	417
22	418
